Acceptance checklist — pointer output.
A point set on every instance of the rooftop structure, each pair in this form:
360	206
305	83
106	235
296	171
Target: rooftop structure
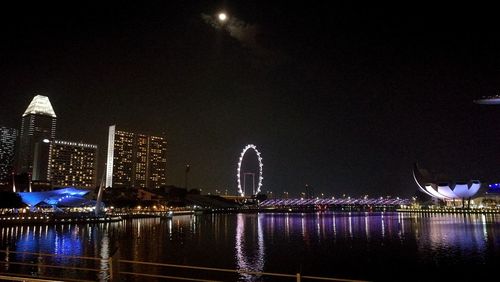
69	196
40	105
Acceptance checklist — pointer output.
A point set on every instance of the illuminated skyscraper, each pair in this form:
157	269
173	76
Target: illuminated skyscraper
140	154
119	165
72	164
7	145
37	129
135	160
157	162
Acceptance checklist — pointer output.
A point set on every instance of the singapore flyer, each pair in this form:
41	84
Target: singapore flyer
245	174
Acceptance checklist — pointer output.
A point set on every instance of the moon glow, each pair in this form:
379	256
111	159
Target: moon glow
222	16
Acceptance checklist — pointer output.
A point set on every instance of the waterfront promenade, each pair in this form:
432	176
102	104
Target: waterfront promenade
44	218
449	210
268	206
77	217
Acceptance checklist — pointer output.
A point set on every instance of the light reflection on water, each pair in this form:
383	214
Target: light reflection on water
345	245
249	250
67	241
449	237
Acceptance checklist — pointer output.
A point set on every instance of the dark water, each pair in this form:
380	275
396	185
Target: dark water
369	246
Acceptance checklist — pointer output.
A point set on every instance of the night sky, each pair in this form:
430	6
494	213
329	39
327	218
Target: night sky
344	98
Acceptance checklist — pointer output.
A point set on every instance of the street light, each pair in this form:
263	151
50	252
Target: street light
186	177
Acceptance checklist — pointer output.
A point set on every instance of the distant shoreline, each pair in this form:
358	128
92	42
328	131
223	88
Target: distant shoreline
451	211
42	219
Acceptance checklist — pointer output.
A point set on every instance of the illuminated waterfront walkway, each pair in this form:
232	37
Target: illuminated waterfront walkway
52	219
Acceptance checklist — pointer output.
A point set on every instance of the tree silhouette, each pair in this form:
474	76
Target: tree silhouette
11	200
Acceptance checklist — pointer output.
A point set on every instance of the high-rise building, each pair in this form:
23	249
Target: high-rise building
7	147
157	162
135	160
140	154
72	164
119	165
37	129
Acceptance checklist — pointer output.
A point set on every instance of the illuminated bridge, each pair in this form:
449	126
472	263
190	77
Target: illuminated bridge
392	202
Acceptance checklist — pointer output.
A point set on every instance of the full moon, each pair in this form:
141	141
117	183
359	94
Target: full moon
222	17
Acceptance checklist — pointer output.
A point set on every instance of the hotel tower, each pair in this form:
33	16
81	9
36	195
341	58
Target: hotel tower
72	164
135	160
7	146
38	128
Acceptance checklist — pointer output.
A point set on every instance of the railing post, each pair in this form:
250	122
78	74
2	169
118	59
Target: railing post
110	263
114	266
298	277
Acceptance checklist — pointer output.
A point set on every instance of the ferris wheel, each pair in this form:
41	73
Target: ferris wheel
241	189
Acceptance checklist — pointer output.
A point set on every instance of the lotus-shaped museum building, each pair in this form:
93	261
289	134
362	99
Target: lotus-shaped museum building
444	190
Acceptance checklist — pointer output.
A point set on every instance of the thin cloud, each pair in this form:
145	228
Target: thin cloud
247	35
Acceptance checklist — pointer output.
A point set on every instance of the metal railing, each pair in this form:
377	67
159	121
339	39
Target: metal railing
29	266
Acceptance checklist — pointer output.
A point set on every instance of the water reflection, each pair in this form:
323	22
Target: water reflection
382	223
483	221
367	229
450	235
323	244
104	266
249	254
55	240
38	245
350	225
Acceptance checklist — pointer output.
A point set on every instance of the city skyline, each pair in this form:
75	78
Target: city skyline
342	98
